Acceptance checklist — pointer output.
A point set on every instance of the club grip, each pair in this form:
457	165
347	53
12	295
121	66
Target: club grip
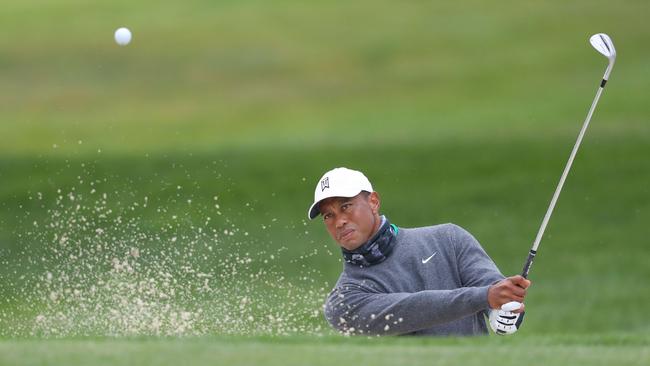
529	263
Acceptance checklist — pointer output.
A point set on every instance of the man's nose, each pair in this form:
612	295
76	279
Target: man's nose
341	220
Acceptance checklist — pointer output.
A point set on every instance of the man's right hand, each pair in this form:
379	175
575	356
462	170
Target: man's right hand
509	289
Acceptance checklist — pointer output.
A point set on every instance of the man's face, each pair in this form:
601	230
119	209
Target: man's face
351	221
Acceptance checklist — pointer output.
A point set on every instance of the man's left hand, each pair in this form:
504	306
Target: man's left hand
505	322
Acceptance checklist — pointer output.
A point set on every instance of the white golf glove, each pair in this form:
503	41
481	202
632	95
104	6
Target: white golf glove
504	322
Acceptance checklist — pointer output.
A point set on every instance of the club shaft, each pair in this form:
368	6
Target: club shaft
558	189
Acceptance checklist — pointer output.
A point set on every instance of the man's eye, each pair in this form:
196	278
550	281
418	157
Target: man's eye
326	216
345	207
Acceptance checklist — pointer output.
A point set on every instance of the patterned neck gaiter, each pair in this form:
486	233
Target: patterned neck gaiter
375	250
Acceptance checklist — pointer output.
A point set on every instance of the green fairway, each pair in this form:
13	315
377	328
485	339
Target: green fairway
602	350
234	75
161	189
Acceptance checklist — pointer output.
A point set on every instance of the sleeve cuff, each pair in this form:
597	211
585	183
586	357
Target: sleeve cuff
480	300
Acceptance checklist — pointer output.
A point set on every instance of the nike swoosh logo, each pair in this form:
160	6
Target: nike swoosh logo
424	261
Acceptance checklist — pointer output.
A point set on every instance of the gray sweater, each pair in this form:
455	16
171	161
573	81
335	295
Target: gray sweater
408	294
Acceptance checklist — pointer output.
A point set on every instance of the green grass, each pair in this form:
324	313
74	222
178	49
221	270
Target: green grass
221	75
531	350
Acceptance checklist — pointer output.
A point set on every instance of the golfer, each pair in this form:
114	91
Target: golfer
434	280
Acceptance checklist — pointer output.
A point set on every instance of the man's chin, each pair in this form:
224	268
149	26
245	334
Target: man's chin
350	244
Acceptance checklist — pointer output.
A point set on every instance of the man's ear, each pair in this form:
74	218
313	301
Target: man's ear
375	202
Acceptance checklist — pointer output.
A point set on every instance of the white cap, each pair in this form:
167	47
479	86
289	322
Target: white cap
339	182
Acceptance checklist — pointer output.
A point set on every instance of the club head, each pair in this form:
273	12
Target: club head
603	44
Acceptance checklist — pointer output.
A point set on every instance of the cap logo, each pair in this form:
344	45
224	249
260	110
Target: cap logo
325	183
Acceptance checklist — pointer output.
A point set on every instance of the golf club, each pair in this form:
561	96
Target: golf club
603	44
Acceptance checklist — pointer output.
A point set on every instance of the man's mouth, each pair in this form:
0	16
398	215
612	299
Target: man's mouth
346	234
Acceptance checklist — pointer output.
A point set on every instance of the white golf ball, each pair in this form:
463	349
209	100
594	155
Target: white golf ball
511	306
122	36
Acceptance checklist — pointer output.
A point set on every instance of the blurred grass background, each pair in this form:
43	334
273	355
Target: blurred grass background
458	112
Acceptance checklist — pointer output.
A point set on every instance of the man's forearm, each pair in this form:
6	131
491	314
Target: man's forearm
354	311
